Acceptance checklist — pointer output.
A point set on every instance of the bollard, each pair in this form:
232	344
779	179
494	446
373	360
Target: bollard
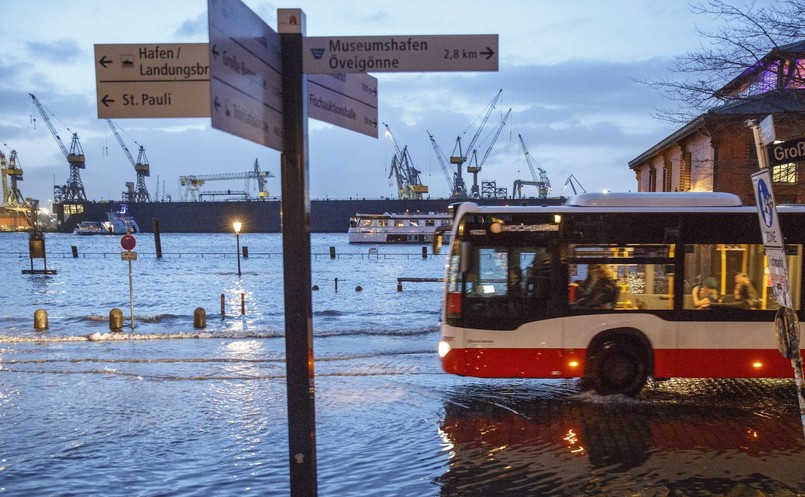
424	252
315	288
336	285
157	240
399	286
242	303
223	303
115	319
358	288
199	318
245	251
332	252
75	251
40	319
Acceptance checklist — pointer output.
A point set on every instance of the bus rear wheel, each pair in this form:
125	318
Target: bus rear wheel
618	367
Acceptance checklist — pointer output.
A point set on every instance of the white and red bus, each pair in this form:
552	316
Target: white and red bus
515	275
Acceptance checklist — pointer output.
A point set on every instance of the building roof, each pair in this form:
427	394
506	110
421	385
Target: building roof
774	102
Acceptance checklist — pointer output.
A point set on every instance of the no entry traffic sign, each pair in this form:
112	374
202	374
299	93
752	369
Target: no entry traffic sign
128	242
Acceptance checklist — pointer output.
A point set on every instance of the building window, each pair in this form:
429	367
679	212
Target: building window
784	173
685	172
666	176
652	179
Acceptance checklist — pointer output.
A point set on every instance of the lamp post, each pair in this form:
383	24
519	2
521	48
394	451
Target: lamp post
236	225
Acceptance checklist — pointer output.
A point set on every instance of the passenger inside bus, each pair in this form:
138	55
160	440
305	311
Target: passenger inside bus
598	290
705	293
745	293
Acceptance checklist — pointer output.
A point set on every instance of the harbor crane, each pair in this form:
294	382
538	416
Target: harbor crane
12	198
73	191
452	184
409	184
141	168
458	158
474	170
572	181
192	184
542	182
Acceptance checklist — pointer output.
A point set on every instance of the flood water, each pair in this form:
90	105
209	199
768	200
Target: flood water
166	409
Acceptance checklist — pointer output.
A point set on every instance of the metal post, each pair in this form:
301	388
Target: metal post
131	297
296	258
237	241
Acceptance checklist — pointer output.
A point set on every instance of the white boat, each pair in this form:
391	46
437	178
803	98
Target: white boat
397	228
117	223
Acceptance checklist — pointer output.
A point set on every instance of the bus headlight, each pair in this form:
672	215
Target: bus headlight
443	349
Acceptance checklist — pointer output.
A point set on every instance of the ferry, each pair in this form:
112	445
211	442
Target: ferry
117	223
397	228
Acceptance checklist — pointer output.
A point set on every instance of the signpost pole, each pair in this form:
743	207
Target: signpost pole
787	326
296	258
131	297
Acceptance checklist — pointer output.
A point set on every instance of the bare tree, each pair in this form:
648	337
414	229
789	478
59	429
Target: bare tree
749	33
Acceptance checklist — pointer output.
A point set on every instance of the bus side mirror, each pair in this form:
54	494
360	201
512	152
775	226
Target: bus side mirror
465	263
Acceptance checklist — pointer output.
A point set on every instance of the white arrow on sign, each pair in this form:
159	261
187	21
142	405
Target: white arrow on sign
151	80
361	54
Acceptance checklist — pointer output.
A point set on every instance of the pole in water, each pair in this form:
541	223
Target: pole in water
157	241
223	309
242	303
131	297
336	284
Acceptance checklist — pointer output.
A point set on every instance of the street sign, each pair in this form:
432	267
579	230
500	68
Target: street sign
128	256
245	74
150	80
773	241
787	152
345	100
767	133
128	242
362	54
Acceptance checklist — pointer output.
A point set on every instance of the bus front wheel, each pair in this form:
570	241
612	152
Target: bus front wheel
618	367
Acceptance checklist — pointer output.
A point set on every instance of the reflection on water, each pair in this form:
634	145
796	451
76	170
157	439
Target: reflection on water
583	444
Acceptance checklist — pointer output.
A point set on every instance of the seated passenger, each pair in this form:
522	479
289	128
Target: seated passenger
705	293
598	290
745	293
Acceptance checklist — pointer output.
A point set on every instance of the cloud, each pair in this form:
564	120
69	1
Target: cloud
61	51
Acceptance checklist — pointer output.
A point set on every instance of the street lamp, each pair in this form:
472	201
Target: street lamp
236	225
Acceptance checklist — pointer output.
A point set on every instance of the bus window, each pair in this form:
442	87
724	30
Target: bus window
735	276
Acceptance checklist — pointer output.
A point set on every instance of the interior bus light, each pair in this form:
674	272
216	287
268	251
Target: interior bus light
557	218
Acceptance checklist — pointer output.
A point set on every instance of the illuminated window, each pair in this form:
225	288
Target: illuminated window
784	173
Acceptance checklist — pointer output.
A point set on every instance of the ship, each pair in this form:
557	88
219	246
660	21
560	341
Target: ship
406	227
259	215
117	222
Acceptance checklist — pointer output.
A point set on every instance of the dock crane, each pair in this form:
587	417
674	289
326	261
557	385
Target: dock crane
460	159
12	198
452	184
542	182
141	168
73	191
570	181
192	184
474	170
409	184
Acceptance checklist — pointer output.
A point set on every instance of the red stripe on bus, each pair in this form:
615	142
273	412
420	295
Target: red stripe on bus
569	363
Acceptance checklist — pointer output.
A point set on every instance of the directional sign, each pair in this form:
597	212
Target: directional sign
767	132
345	100
245	79
357	54
147	80
786	152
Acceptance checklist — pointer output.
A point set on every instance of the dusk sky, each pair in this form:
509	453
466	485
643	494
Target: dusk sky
570	72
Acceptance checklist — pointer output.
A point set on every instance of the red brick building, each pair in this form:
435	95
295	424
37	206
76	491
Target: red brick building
716	151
